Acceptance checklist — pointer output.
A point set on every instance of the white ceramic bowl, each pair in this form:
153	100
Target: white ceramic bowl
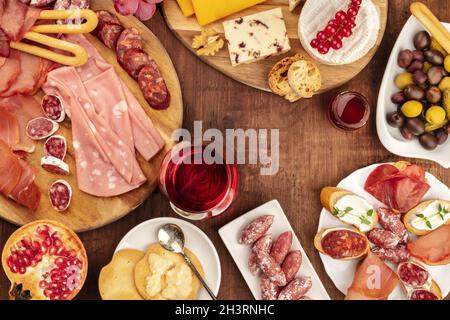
145	234
390	137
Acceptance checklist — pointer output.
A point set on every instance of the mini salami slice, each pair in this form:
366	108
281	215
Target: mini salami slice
412	274
41	128
109	35
53	108
134	60
154	87
291	265
262	245
383	238
256	229
269	290
422	294
395	255
130	38
105	18
55	165
296	289
60	194
56	146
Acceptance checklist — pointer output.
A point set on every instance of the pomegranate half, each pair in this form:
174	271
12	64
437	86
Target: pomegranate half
44	260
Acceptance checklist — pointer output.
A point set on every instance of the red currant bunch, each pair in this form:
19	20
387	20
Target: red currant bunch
339	27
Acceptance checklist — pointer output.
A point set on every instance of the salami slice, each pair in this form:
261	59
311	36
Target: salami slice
343	243
56	146
413	275
55	165
109	35
41	128
134	60
154	87
53	108
60	194
422	294
130	38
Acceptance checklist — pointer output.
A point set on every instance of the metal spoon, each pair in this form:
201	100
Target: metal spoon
171	238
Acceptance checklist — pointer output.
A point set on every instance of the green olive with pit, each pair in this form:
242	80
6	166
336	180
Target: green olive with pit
447	63
444	84
412	109
435	115
403	80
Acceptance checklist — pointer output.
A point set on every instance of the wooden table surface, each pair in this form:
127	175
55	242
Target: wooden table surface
312	153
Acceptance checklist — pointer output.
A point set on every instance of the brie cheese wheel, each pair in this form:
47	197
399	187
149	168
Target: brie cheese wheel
314	18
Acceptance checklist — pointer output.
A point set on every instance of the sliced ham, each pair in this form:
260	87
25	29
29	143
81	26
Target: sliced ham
9	129
32	67
17	18
24	108
399	188
26	192
9	71
433	248
10	169
373	280
107	125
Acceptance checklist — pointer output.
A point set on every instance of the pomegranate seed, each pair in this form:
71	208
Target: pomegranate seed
22	270
42	284
314	43
48	242
57	242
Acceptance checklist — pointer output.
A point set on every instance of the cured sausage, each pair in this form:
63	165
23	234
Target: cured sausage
291	265
154	87
134	60
55	165
41	128
392	222
342	243
56	146
106	17
262	245
109	35
296	289
53	108
383	238
271	269
269	290
256	229
39	3
60	194
130	38
395	255
281	246
412	274
422	294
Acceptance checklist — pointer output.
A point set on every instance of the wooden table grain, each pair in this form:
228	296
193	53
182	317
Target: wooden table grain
312	153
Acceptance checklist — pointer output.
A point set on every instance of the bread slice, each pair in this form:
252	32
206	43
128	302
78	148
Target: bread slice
330	195
293	4
320	234
278	78
410	215
304	78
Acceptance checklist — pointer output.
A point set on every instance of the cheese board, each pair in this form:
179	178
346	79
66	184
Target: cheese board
87	212
255	74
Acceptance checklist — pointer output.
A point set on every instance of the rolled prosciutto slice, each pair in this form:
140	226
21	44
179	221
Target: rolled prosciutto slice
400	186
433	248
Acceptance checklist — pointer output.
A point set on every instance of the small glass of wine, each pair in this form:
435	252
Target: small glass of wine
197	189
349	111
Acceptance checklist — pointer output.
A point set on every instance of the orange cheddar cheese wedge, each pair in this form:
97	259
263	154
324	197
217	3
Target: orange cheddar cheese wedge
186	7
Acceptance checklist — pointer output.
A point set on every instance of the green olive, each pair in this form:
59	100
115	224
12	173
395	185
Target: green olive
444	84
403	80
435	115
447	63
412	109
446	102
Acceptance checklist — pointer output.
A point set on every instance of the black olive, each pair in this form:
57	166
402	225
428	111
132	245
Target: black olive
414	93
441	136
422	40
428	141
434	57
396	119
434	94
416	126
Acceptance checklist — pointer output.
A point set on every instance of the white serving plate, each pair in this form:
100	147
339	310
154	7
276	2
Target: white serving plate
342	272
231	233
390	137
145	234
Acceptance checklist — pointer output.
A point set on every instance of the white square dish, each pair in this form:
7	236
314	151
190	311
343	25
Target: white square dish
231	232
390	137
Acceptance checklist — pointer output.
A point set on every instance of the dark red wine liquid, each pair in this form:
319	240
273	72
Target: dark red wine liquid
198	187
349	111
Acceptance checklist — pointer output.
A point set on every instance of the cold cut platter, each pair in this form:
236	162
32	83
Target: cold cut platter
384	232
82	143
214	34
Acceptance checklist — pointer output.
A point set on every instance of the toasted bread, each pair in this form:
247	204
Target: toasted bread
410	215
278	78
320	234
293	4
304	78
330	195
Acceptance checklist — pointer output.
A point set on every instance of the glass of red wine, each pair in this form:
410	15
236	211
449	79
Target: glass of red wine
196	187
349	111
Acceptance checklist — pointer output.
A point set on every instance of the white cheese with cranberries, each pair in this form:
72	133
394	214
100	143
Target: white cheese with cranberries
256	36
315	16
431	217
356	211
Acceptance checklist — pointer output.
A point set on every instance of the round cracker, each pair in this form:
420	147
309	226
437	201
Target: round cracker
116	280
142	271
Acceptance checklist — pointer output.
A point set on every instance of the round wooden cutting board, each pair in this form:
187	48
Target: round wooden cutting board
88	212
255	74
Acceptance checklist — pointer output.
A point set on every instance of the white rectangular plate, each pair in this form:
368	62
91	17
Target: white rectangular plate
231	232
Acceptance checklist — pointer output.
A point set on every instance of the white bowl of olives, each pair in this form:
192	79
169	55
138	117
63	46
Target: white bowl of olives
413	113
